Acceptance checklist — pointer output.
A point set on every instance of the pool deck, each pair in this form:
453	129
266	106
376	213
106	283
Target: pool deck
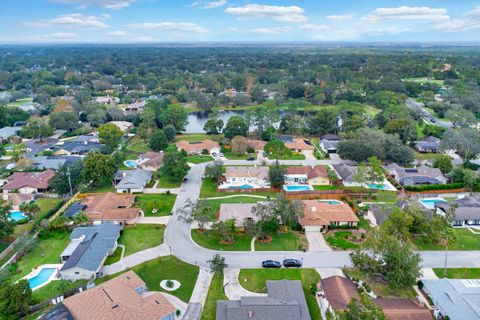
437	199
37	270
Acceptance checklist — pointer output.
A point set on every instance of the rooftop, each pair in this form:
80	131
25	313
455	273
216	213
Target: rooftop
322	213
38	180
339	291
239	212
111	206
197	146
311	172
247	172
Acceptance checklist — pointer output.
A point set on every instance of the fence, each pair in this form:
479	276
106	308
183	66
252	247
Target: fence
436	192
239	190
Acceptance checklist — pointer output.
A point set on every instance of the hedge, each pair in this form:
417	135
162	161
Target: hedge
428	187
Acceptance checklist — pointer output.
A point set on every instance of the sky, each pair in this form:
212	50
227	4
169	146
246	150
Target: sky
154	21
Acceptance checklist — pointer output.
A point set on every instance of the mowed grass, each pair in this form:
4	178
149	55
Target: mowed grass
165	182
199	159
55	288
340	240
141	236
255	280
165	268
289	241
215	293
46	205
458	273
210	240
115	257
195	137
464	240
163	203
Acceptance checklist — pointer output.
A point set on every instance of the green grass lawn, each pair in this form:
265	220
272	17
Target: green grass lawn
464	240
208	239
138	145
164	182
166	268
459	273
141	237
115	257
290	241
215	292
199	159
255	280
326	187
292	156
427	156
371	111
47	250
20	229
46	205
162	202
217	202
231	156
55	288
339	240
194	137
424	80
209	190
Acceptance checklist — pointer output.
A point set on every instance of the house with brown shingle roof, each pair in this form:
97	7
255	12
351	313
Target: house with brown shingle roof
125	297
192	148
151	161
29	182
402	309
312	175
338	292
253	177
257	145
111	207
318	214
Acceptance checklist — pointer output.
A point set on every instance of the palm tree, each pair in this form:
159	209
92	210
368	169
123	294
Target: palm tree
30	208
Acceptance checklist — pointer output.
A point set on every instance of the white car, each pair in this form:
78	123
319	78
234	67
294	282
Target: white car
10	166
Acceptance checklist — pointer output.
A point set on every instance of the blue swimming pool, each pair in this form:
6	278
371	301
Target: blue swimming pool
41	277
16	215
297	188
377	186
430	203
131	164
243	186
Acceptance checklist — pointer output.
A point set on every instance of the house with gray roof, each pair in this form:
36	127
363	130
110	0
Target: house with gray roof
420	175
285	300
53	162
329	146
467	212
428	144
74	209
459	299
8	132
345	172
78	148
131	181
87	251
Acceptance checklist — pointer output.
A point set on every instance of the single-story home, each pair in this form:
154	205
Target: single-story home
151	161
328	146
7	132
106	100
285	300
402	309
122	298
192	148
238	212
28	182
111	207
246	177
88	249
124	126
467	212
428	144
336	292
131	181
52	162
459	299
89	137
135	107
345	172
312	175
318	214
16	199
257	145
74	209
297	144
78	148
415	176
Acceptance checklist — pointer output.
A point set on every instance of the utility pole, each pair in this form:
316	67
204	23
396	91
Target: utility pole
69	181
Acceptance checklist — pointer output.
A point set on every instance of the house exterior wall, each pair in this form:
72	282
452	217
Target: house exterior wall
28	190
170	316
319	182
74	274
149	168
130	190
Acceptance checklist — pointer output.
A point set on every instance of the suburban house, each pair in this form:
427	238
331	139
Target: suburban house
285	300
88	249
257	145
151	161
125	297
89	137
7	132
131	181
238	212
415	176
402	309
106	100
318	214
192	148
312	175
74	209
428	144
135	107
336	292
459	299
466	214
78	148
111	207
329	143
124	126
346	173
28	182
52	162
297	144
245	177
16	199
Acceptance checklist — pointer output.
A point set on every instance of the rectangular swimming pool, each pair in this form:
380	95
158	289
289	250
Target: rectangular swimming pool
299	187
430	203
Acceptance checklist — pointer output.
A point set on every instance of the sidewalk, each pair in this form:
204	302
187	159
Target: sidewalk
233	289
199	295
137	258
153	220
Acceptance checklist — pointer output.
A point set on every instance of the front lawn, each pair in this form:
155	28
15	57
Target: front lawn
210	240
290	241
232	156
215	293
199	159
115	257
255	280
293	156
464	240
163	203
459	273
340	240
141	237
165	182
165	268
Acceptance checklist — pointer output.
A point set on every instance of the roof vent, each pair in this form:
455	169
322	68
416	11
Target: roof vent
156	301
250	314
115	306
314	209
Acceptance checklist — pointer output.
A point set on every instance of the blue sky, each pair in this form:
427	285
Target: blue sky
129	21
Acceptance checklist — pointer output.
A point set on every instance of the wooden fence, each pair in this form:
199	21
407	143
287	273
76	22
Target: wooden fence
252	190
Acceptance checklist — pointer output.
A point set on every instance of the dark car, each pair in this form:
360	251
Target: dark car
185	179
292	263
271	264
251	159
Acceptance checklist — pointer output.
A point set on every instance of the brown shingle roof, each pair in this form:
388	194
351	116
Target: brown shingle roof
117	299
339	291
256	144
322	213
111	207
402	309
37	180
244	172
299	144
310	172
155	159
197	146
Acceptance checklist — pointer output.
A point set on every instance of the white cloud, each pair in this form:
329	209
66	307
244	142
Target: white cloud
56	36
408	13
233	29
468	21
209	4
313	27
109	4
278	13
341	17
119	34
169	26
271	31
72	20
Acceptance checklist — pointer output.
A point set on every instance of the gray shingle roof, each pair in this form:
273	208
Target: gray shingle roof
7	132
74	209
79	147
132	179
345	172
53	162
468	208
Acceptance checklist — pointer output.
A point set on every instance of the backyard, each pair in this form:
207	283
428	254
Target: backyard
55	288
162	203
165	182
209	190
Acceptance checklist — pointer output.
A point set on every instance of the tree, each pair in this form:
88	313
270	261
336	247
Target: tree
200	212
217	264
465	141
18	151
110	135
37	128
268	223
97	117
276	148
239	145
236	126
265	116
80	218
60	182
175	115
444	163
175	165
64	120
15	299
404	127
30	208
147	123
170	132
158	141
325	121
214	171
225	230
364	309
60	223
7	226
287	210
214	124
98	169
276	175
291	124
460	117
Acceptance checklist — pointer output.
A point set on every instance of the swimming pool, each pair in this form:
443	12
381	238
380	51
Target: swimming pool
331	201
16	215
131	164
243	186
377	186
430	203
297	187
42	277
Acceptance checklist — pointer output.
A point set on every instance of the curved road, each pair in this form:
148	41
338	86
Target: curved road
177	237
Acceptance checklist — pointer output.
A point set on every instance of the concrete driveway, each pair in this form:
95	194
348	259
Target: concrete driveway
316	241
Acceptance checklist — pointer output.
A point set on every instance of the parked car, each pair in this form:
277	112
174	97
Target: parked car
251	159
292	263
185	179
271	264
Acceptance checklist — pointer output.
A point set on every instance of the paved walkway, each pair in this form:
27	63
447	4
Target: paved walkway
161	190
427	273
252	244
329	272
137	258
316	242
153	220
199	295
233	289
